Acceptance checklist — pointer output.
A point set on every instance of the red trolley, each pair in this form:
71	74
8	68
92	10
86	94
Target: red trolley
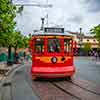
52	54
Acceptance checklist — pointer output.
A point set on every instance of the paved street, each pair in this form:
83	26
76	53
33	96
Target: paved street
23	88
87	69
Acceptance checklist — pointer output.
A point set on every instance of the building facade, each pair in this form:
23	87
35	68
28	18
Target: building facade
82	40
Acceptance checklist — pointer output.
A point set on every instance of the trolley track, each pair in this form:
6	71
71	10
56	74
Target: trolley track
76	90
57	91
45	90
93	89
64	90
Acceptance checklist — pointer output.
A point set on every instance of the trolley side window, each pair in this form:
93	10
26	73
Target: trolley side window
54	45
67	46
38	45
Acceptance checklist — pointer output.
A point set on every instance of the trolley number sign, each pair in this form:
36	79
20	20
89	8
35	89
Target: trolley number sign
54	30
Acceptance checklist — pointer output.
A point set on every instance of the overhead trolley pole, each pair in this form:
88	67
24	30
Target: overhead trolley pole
47	5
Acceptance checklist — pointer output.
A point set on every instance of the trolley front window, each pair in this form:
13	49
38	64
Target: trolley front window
38	45
67	46
54	45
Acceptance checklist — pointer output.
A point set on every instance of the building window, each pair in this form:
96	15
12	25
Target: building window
93	40
87	40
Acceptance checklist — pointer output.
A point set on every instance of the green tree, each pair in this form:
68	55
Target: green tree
26	40
96	32
17	41
7	24
87	47
8	36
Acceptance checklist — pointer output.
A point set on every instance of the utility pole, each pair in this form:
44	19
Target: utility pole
80	39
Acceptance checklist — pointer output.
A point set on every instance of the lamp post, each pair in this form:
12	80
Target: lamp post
80	40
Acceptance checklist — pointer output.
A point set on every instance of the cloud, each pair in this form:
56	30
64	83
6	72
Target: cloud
75	19
92	5
29	20
73	14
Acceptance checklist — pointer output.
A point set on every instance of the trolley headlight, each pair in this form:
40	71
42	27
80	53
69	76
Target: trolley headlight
54	59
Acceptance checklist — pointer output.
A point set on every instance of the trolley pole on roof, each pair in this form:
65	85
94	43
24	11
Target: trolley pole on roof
42	26
36	5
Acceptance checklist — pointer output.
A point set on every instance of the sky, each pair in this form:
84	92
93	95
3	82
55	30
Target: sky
71	14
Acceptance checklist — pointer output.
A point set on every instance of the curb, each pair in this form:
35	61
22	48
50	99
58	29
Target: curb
7	74
10	73
12	69
6	79
6	70
6	82
3	68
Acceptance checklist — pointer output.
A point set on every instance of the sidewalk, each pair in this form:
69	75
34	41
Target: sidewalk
21	88
5	80
4	69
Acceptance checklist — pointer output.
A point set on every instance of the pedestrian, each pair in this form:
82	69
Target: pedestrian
99	55
16	58
21	60
24	55
96	55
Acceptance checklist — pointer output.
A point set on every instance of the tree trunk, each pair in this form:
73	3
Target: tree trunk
9	52
15	54
9	62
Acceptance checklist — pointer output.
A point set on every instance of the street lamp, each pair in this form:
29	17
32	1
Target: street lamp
80	39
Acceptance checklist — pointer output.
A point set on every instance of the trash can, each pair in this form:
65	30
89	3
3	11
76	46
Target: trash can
3	57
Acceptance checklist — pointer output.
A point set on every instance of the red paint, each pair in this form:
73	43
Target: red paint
52	70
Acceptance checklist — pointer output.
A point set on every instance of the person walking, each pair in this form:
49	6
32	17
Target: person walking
96	55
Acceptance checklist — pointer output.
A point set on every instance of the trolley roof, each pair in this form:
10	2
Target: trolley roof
43	33
52	31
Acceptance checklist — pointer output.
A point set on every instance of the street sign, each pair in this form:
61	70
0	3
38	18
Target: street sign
53	30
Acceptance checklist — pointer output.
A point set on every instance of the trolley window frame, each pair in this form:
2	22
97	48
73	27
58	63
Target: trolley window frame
54	49
45	38
41	53
71	47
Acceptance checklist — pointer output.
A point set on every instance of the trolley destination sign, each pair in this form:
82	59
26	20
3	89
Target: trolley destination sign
53	30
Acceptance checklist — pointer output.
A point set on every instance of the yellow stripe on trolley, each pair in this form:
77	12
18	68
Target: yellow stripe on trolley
48	59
